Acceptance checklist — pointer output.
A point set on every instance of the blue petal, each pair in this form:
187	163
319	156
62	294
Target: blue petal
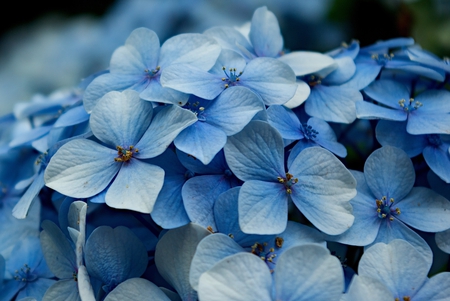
161	133
146	42
173	265
420	123
74	116
345	70
81	168
306	62
229	38
189	48
367	110
136	186
58	252
256	153
114	255
285	121
388	92
425	210
201	140
271	79
21	209
134	288
121	118
320	278
210	251
364	75
324	190
438	159
233	109
433	288
155	92
389	172
333	103
263	207
199	194
265	33
240	277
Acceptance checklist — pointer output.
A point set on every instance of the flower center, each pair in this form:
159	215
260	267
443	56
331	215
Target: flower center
312	80
382	59
153	72
405	298
231	78
385	210
197	109
411	106
24	274
125	155
288	182
309	132
268	252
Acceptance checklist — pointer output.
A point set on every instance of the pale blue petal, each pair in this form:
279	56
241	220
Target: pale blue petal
364	75
367	223
84	285
344	71
319	278
191	80
306	62
396	229
30	136
155	92
333	103
265	33
256	153
201	140
389	172
173	265
106	83
210	251
21	209
271	79
299	234
388	92
263	207
324	190
134	289
241	277
189	48
434	101
63	290
146	42
121	118
136	186
233	109
398	265
285	121
74	116
301	95
229	38
161	133
230	60
436	288
368	110
366	288
199	194
420	123
126	60
81	168
425	210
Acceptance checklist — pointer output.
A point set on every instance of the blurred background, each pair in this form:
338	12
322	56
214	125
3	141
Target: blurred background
51	47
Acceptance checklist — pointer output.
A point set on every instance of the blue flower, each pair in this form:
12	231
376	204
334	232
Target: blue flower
427	113
317	183
123	122
387	201
305	272
139	64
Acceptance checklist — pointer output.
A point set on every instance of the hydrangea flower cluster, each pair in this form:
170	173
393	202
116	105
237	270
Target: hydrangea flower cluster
221	166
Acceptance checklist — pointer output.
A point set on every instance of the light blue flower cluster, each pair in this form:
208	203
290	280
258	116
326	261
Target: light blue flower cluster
205	169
